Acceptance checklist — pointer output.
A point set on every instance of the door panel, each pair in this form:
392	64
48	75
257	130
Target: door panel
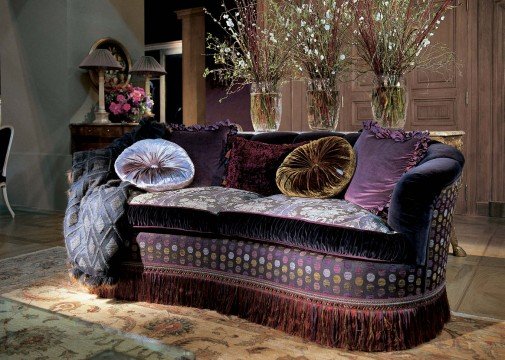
436	99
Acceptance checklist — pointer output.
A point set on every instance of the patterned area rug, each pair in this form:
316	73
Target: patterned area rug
208	334
29	332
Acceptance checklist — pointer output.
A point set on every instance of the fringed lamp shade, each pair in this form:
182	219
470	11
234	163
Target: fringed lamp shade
147	65
100	59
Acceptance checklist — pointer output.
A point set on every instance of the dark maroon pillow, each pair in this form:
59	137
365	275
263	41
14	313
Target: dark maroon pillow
252	165
206	147
383	156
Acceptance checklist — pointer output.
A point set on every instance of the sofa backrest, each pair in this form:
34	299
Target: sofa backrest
291	137
435	149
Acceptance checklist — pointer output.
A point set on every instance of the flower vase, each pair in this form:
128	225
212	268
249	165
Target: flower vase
266	106
323	102
390	101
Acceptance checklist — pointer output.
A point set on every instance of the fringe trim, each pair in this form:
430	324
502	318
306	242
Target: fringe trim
381	328
210	127
93	284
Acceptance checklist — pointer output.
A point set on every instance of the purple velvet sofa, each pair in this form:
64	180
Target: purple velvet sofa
345	279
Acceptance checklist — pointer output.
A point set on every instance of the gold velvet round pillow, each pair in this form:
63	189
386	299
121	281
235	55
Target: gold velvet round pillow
319	169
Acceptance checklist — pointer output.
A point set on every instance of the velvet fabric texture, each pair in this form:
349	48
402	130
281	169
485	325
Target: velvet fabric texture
383	156
275	137
192	210
330	226
410	210
252	165
289	137
319	169
155	165
206	147
316	135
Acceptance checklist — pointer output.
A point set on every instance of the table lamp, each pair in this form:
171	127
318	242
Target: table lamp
101	60
148	66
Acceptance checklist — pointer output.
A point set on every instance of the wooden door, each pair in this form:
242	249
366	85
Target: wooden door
437	101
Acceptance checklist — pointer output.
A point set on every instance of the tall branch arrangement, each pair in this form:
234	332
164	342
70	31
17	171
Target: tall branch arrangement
256	48
321	30
392	36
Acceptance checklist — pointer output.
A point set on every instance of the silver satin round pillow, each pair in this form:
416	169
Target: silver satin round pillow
155	165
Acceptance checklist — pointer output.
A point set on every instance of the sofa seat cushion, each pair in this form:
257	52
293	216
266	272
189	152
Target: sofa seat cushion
334	226
190	209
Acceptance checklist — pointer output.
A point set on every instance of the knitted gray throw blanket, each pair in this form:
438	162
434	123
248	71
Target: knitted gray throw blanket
95	224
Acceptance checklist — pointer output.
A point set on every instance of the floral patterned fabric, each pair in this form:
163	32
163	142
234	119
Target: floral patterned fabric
334	212
210	198
331	226
190	209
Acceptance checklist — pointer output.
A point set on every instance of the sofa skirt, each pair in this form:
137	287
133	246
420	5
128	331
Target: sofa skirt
345	303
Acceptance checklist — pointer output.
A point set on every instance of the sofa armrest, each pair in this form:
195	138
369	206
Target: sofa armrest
413	198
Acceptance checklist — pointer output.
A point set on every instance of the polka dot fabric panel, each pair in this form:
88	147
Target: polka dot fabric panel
274	265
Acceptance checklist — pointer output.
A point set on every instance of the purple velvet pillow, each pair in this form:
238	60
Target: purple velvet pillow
383	156
206	147
252	165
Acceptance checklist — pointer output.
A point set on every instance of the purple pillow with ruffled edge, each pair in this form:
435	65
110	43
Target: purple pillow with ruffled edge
206	146
383	156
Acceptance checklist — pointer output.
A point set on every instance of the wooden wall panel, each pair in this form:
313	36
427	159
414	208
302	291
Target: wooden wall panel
498	135
472	101
483	153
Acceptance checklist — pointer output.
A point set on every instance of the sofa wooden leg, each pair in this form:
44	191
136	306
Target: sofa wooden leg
6	199
456	249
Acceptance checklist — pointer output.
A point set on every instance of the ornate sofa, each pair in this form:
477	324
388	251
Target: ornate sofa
325	270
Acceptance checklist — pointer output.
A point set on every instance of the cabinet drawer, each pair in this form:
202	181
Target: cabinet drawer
88	136
99	131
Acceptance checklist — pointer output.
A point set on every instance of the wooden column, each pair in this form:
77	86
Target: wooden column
193	65
497	203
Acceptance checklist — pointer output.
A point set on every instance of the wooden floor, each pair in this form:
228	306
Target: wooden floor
476	283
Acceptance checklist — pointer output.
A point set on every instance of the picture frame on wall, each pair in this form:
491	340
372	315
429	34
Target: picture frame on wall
113	78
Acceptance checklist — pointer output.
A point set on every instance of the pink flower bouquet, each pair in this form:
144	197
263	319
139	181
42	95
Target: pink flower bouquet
128	103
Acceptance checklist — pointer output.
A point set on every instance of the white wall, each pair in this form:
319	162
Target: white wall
41	45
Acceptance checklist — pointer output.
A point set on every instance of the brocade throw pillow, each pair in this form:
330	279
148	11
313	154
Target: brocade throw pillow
207	147
319	169
252	165
383	156
155	165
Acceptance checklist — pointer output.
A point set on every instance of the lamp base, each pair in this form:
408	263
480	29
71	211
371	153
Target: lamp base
101	118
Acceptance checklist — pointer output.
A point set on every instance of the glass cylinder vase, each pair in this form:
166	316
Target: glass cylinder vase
390	101
323	104
266	106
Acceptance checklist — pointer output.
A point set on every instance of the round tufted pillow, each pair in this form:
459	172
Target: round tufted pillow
319	169
155	165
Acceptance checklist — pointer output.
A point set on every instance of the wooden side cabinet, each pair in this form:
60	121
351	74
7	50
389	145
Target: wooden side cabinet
91	136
